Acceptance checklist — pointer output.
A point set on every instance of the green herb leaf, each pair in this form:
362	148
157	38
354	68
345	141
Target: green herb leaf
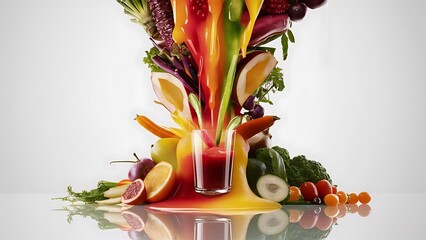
148	60
284	44
290	36
90	196
273	83
277	163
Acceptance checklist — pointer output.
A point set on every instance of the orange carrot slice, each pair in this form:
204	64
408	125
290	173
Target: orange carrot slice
154	128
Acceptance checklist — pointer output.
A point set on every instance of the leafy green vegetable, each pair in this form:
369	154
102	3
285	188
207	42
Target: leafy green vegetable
90	196
273	161
148	60
298	169
273	83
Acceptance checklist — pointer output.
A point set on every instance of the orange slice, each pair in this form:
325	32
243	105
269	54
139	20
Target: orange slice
252	72
159	182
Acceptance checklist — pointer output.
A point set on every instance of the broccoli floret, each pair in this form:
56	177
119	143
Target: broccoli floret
300	170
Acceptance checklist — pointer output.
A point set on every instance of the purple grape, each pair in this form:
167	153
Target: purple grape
312	4
297	11
140	169
249	103
257	112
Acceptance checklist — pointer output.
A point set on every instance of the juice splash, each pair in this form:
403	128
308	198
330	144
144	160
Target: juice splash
240	200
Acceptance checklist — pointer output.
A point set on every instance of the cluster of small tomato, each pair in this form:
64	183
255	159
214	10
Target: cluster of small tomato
323	192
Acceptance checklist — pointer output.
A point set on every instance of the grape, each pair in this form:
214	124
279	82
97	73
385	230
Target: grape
312	4
297	11
249	103
257	112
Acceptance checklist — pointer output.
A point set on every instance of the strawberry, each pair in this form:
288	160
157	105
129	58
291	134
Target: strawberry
275	6
199	8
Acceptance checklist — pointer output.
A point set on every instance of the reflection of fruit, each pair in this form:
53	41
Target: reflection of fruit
364	210
134	220
135	193
352	208
157	228
295	215
331	211
308	220
273	223
364	197
252	72
171	93
165	150
342	210
135	235
159	182
272	188
324	222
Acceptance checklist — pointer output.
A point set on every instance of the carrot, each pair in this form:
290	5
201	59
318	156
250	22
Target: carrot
252	127
154	128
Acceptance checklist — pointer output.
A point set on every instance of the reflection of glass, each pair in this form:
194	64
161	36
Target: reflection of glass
212	163
212	227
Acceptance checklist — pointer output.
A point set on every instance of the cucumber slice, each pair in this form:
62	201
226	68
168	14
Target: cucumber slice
273	223
273	188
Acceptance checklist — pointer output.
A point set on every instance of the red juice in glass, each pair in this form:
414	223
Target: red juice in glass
213	164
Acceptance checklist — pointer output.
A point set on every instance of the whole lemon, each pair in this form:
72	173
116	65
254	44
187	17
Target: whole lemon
165	150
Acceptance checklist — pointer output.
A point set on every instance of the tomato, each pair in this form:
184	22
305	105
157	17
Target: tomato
295	194
309	191
364	197
324	187
331	200
343	198
352	198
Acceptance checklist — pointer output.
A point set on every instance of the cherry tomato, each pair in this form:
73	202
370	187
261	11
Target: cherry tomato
324	187
352	198
295	194
309	191
331	200
334	188
343	197
364	197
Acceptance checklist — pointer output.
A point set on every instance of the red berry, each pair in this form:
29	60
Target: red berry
199	8
275	6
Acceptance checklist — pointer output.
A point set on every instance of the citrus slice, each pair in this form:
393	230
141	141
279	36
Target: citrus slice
252	72
171	93
159	182
135	193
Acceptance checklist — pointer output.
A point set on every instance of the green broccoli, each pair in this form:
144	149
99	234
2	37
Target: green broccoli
298	169
301	170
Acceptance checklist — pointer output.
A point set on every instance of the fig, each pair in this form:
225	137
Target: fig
135	193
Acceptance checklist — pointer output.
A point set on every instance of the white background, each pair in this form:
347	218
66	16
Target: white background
72	80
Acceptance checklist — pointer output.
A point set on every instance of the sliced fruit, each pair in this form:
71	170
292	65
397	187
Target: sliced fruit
272	188
134	220
273	223
159	182
110	201
158	227
171	93
165	150
135	193
252	72
116	191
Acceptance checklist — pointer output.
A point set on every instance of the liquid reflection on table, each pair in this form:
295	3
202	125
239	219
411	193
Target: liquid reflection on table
290	222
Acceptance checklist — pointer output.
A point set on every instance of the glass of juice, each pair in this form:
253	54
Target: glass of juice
212	162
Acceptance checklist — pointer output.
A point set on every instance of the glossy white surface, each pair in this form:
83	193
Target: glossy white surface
36	216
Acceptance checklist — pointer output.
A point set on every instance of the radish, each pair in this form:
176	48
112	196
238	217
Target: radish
273	188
